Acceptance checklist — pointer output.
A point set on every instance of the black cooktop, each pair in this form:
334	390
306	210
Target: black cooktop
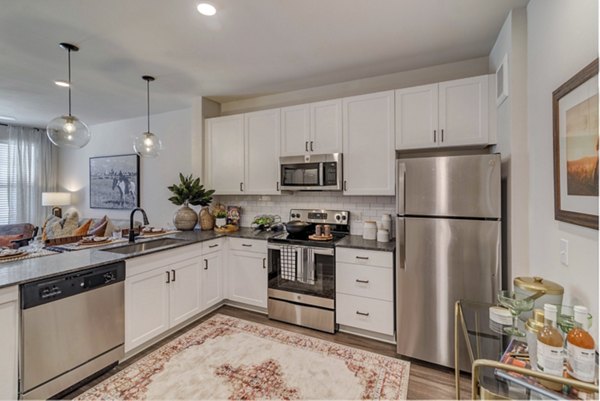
302	238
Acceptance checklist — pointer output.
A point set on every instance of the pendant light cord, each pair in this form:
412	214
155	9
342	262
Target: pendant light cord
69	58
148	99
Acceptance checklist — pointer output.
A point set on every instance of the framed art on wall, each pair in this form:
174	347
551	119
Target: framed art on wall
115	182
575	132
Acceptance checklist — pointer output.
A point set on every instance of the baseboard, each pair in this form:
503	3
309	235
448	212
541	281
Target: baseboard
240	305
367	334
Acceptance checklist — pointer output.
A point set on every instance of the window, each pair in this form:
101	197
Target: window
4	182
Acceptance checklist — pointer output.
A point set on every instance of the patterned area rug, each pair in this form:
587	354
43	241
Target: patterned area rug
229	358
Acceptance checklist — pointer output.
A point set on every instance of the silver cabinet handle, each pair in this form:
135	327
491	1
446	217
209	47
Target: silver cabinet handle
205	264
362	257
442	135
213	246
168	277
311	146
345	185
362	313
434	136
241	187
173	271
362	281
264	263
306	146
247	245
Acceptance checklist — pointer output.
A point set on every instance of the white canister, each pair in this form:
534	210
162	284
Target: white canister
370	230
383	235
386	223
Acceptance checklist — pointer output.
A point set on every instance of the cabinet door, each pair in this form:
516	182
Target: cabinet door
212	279
248	278
9	329
184	290
146	307
417	117
295	130
463	116
262	135
326	127
369	151
225	154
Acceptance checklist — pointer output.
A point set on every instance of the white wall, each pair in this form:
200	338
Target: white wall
402	79
114	138
562	39
511	126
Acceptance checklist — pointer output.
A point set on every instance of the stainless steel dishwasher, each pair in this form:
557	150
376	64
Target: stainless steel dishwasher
72	326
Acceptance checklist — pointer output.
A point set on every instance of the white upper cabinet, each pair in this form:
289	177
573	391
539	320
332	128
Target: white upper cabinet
295	130
448	114
463	114
225	154
312	128
326	127
369	155
417	117
262	135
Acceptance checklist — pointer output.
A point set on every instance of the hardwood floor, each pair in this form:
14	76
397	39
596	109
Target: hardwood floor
426	381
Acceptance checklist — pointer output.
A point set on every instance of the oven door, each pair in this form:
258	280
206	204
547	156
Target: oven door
302	270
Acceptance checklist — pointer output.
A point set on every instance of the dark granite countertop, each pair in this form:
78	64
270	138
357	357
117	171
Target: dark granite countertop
357	241
23	271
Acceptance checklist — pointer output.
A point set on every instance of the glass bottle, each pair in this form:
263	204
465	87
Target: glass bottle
550	356
580	348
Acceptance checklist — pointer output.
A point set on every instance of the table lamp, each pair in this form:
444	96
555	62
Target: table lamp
55	200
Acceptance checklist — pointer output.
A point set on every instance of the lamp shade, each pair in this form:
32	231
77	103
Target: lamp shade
56	198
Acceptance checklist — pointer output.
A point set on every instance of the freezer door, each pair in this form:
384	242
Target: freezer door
440	261
456	186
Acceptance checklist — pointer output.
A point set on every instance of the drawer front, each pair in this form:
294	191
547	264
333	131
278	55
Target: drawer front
365	281
365	313
365	257
248	245
212	245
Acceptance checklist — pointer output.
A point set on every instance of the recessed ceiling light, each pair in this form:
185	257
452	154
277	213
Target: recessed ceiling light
206	9
64	84
7	118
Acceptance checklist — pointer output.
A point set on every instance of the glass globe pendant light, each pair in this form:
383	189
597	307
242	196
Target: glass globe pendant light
68	131
147	144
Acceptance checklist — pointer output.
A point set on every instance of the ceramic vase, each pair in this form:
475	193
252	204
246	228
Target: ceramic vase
185	218
221	221
207	221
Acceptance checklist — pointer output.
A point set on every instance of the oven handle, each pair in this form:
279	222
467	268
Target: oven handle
318	251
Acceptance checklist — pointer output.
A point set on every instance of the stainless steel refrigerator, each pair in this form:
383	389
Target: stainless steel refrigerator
448	248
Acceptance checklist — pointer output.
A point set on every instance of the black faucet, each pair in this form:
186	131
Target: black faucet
132	235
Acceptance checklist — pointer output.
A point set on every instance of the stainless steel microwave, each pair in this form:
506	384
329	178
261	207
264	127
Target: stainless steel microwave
311	172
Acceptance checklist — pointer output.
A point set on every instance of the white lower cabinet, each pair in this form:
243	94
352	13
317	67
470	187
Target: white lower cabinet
248	277
9	345
184	291
365	290
212	279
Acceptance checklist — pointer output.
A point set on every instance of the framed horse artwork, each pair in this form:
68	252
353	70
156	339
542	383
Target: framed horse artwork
115	182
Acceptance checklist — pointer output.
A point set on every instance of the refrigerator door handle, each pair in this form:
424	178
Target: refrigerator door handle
401	244
401	195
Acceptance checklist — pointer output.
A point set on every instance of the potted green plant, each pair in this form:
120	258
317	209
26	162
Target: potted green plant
187	192
221	216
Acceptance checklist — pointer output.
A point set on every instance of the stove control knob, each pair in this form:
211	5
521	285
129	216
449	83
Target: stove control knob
344	217
338	217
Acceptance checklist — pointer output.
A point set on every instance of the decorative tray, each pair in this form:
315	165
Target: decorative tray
228	228
315	237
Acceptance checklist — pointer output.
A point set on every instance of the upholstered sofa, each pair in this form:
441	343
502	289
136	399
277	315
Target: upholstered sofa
17	235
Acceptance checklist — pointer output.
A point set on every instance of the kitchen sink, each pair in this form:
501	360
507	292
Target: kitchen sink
142	247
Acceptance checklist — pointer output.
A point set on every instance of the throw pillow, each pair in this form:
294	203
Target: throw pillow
57	228
98	231
83	229
110	227
98	223
6	240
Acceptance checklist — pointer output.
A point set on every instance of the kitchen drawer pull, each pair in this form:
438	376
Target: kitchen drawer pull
277	185
306	146
362	313
168	277
173	271
247	245
434	136
362	281
345	185
311	146
442	135
213	246
241	187
205	264
264	263
362	257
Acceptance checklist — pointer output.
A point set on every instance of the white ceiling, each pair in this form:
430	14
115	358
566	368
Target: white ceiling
251	47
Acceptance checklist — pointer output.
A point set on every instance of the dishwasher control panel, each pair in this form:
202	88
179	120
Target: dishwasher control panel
66	285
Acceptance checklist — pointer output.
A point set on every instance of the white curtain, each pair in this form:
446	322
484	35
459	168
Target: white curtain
31	165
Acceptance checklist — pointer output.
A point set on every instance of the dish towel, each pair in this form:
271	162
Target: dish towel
287	262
